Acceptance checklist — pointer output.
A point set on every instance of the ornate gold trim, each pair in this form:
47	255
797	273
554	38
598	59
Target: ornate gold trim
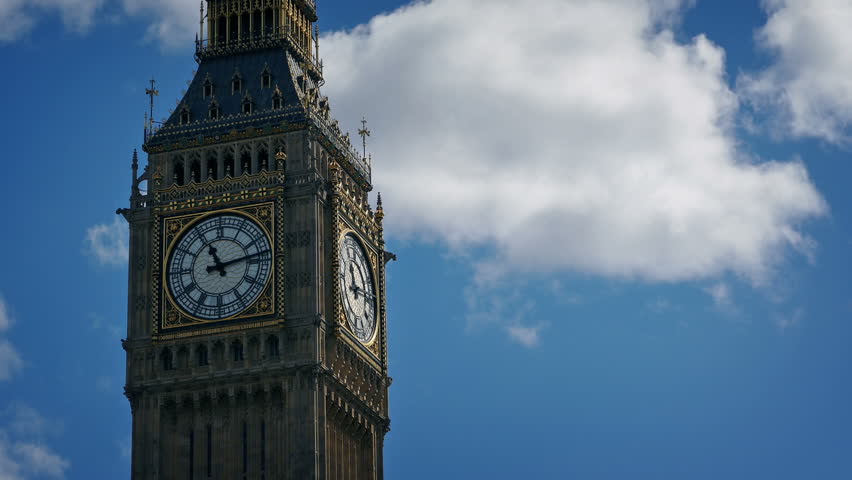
371	257
172	316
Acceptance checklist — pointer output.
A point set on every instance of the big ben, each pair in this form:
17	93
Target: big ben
257	329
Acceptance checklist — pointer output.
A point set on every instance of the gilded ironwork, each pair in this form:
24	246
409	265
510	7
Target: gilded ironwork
172	316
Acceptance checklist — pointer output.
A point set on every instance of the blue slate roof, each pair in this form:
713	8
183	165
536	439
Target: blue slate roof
220	72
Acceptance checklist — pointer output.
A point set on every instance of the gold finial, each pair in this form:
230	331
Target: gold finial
380	212
280	159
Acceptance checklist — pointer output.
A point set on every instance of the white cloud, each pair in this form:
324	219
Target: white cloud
721	294
40	460
174	22
788	321
10	360
5	319
593	141
660	305
808	87
108	242
27	422
526	336
24	454
506	308
17	17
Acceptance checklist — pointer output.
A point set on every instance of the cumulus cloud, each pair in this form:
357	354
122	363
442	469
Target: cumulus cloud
173	23
24	453
40	460
526	336
108	242
721	294
17	17
568	135
808	87
5	319
789	320
10	360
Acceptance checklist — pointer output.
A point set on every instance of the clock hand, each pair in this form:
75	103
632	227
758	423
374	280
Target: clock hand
352	274
366	294
221	266
218	263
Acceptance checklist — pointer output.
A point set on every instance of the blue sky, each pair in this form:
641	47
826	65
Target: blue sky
623	229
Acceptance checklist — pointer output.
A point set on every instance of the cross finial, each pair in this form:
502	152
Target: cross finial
151	92
364	132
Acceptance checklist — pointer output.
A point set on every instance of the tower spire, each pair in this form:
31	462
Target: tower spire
201	25
364	132
151	92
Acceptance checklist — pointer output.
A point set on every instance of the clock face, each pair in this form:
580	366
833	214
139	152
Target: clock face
356	284
219	267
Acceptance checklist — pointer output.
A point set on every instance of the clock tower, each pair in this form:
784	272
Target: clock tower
256	329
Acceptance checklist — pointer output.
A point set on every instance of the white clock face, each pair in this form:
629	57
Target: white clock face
356	284
219	267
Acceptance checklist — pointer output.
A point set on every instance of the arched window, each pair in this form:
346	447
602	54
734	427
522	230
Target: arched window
182	358
212	167
221	29
245	161
234	28
266	78
247	106
229	164
167	359
272	347
268	21
263	160
255	27
201	356
218	353
177	176
185	116
195	171
244	26
237	83
215	111
277	99
253	349
208	87
237	351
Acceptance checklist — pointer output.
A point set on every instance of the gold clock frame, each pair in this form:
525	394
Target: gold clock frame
374	273
172	316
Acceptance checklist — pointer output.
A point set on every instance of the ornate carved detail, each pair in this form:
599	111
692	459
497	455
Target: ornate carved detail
213	187
167	315
297	239
298	280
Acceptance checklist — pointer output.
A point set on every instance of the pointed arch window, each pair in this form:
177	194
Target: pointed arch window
208	87
237	351
247	106
185	115
272	347
237	83
277	99
215	110
167	359
266	78
201	353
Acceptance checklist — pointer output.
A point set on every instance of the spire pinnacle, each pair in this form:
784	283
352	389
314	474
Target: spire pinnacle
364	133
